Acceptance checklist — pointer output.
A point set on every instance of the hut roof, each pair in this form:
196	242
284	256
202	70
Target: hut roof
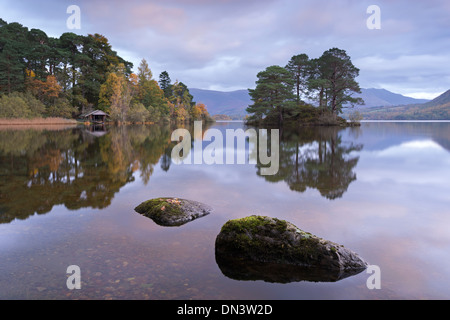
94	113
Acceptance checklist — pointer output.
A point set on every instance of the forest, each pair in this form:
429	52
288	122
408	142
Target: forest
42	76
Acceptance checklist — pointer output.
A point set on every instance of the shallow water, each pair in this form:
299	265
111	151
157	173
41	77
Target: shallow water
68	197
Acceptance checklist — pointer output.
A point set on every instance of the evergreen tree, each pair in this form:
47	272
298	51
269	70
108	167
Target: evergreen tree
273	93
37	57
335	79
76	72
317	84
298	67
14	47
69	49
165	83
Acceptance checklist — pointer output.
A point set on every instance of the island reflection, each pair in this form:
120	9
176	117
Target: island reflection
86	167
317	158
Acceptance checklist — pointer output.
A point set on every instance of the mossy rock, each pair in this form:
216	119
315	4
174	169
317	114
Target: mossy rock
172	211
270	241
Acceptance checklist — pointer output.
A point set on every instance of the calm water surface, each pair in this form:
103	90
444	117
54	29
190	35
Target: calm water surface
67	197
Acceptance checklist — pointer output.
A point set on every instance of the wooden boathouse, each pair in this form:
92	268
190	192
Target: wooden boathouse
97	117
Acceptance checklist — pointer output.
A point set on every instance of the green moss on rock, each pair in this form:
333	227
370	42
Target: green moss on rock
172	211
272	240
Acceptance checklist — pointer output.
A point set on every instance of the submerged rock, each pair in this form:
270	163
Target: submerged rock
274	250
172	211
250	270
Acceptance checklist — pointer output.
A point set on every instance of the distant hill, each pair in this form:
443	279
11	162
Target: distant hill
443	99
222	117
382	97
232	103
436	109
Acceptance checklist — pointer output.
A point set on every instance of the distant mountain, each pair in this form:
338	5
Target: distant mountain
440	100
436	109
382	97
231	103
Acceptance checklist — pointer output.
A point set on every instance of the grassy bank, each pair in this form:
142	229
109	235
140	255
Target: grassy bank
37	124
36	121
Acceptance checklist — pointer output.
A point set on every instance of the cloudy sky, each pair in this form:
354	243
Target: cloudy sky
223	44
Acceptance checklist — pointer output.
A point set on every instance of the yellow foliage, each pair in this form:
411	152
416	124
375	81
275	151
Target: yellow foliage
30	73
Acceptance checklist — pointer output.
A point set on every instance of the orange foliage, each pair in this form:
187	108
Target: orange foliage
46	91
50	158
202	107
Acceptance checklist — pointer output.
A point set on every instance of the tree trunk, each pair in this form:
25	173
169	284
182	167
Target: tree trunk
280	116
9	80
333	105
321	97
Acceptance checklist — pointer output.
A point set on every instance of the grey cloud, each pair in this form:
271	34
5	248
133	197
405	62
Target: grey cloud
225	43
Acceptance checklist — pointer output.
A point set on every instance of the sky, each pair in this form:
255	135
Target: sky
223	44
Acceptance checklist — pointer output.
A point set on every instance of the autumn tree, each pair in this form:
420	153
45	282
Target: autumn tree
94	61
150	94
144	72
134	85
50	94
138	113
79	63
46	91
181	95
200	113
180	102
76	71
116	94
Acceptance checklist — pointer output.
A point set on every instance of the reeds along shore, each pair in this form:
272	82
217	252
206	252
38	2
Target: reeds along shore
36	123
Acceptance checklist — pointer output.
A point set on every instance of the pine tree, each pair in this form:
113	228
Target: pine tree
165	83
14	46
298	67
335	80
273	94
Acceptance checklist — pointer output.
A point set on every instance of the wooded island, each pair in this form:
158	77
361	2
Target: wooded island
280	91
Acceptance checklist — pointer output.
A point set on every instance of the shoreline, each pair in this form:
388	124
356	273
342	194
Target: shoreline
36	121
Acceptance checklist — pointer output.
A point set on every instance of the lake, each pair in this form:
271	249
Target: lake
67	197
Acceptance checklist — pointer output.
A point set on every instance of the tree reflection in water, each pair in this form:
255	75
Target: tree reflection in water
76	168
316	157
86	167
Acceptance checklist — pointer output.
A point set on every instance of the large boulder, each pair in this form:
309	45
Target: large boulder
172	211
274	250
